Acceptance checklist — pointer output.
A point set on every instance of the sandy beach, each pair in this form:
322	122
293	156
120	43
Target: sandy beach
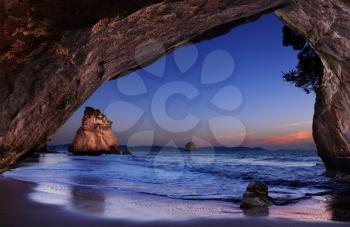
17	209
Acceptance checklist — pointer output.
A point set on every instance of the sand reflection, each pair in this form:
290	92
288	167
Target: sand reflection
127	205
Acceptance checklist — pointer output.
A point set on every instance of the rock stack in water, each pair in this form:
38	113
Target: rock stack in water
95	136
190	146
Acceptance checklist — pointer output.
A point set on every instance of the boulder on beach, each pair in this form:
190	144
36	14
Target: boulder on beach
256	196
190	146
95	136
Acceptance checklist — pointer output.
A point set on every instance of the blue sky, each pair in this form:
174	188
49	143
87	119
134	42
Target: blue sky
256	105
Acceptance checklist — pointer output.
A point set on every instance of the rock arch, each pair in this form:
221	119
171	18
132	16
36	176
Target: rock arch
55	53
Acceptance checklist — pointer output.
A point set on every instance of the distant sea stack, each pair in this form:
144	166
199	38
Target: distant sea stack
95	136
190	146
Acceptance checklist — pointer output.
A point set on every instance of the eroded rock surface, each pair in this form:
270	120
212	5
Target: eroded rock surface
55	54
326	25
95	136
256	196
47	73
256	200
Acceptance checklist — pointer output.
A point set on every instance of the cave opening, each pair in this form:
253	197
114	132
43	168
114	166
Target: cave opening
53	52
202	102
217	112
247	65
219	109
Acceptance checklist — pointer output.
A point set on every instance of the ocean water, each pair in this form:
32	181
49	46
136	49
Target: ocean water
200	175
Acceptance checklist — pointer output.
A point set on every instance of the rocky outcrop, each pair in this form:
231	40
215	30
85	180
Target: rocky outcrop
55	54
325	24
95	136
126	152
190	146
256	196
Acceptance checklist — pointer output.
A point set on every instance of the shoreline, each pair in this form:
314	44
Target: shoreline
17	209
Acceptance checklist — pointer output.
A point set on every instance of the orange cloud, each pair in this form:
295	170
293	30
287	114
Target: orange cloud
290	138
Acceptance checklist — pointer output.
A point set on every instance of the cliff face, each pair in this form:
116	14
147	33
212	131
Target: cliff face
55	54
326	25
95	136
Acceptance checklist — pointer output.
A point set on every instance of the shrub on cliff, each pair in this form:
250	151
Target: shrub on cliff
307	74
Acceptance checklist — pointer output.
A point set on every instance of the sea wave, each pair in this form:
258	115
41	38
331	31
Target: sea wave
290	175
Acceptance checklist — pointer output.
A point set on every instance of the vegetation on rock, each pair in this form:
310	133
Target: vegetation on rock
307	74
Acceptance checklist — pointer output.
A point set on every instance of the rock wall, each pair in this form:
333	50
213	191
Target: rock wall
326	25
55	54
95	136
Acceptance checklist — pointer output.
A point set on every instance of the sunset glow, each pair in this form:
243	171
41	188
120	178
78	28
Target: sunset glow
291	138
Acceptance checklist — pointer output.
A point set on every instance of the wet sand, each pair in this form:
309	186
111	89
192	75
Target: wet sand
16	209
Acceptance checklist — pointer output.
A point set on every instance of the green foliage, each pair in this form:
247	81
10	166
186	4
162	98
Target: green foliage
307	74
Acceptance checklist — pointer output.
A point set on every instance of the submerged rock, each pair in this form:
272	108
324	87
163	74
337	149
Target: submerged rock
126	152
95	136
255	196
190	146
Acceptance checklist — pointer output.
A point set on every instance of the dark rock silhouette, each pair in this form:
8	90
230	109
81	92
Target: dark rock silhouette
95	136
256	196
126	152
339	176
54	56
190	146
